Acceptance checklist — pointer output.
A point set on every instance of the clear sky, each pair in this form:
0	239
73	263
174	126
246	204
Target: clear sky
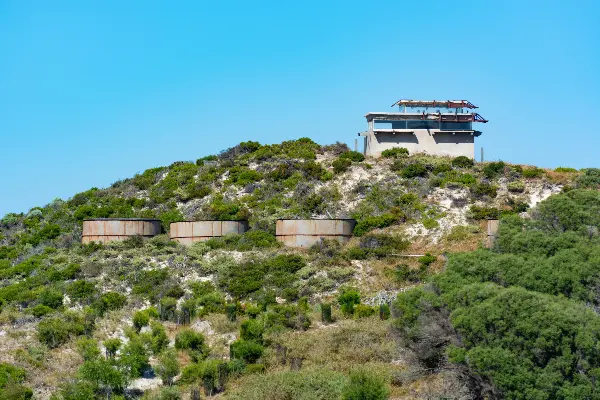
95	91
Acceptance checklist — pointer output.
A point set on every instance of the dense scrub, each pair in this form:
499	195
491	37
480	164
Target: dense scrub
522	315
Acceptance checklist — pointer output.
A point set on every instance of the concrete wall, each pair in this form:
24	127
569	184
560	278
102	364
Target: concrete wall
190	232
110	230
305	233
422	141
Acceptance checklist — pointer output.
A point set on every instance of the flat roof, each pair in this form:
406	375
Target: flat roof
435	103
444	117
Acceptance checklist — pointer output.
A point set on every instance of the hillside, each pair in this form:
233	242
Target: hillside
245	317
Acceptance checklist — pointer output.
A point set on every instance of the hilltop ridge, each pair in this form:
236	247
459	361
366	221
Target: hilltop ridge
226	313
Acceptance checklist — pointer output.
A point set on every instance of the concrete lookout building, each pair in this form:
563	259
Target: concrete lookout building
424	126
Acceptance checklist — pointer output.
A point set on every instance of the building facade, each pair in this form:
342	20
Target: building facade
429	126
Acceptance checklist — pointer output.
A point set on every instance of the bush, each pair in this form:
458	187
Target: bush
168	367
395	152
462	162
478	213
484	189
565	169
403	273
40	310
590	179
382	245
427	260
365	385
326	316
51	298
533	173
516	187
54	332
245	350
82	290
353	156
348	299
341	165
135	357
384	312
112	346
192	341
109	301
140	319
414	170
372	222
363	311
493	169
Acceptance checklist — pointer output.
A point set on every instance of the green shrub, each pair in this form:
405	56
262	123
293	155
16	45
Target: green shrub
341	165
565	169
404	274
384	312
109	301
167	309
326	316
363	311
135	357
413	171
82	291
252	330
441	168
245	350
140	319
395	152
493	169
10	373
348	299
365	385
478	213
40	310
112	346
533	172
353	156
212	303
590	179
372	222
516	187
462	162
168	367
427	260
382	245
484	189
55	331
51	298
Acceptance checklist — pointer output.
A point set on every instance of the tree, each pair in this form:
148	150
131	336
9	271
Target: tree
168	367
365	386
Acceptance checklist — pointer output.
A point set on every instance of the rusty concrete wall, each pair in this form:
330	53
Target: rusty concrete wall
306	232
492	232
190	232
104	230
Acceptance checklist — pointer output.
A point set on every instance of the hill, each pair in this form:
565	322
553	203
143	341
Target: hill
244	316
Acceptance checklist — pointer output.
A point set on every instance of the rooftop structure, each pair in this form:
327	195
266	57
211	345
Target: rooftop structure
424	126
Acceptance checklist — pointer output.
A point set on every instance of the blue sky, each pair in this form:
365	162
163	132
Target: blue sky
95	91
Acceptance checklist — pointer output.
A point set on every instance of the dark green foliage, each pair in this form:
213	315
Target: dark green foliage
135	357
167	309
477	212
112	346
404	274
11	379
574	210
231	311
82	291
348	299
222	210
363	311
212	303
353	156
56	331
242	176
341	165
277	273
427	260
245	350
462	162
395	152
140	319
441	168
109	301
168	217
493	169
51	298
326	316
533	173
365	385
384	312
372	222
40	310
484	189
413	171
168	367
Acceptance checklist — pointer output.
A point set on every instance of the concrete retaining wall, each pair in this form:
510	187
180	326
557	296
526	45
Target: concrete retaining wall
104	230
190	232
305	233
422	141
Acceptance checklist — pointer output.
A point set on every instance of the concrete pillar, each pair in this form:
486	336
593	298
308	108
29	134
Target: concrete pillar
492	232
